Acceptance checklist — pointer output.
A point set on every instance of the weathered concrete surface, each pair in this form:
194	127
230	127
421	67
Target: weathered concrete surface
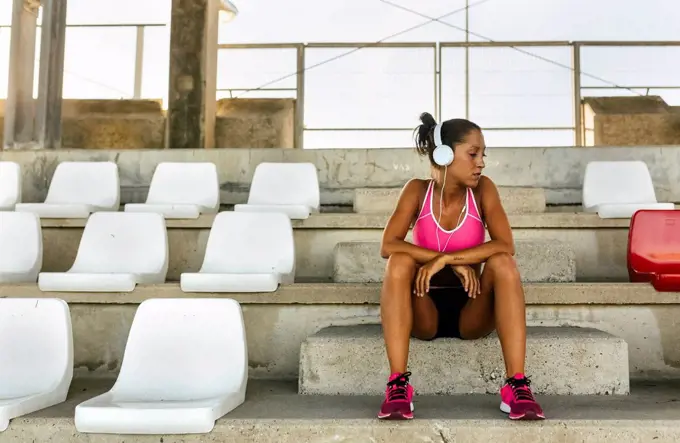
615	294
558	170
561	361
274	412
122	131
537	261
599	245
188	119
276	332
277	324
516	200
630	121
255	123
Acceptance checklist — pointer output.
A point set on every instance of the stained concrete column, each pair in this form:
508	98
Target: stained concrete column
193	70
51	79
19	106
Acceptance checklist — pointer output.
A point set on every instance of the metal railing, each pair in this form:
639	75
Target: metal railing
577	88
139	46
438	48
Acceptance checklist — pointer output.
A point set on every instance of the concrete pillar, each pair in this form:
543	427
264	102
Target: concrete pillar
51	79
193	70
30	124
19	112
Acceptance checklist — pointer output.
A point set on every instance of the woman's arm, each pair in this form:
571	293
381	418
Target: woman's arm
498	225
399	223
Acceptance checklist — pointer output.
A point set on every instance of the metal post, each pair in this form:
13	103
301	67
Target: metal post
19	110
51	79
209	68
437	81
576	86
139	62
299	133
467	59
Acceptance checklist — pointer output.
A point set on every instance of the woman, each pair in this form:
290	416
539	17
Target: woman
433	287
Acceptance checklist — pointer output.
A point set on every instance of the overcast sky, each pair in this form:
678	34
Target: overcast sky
388	88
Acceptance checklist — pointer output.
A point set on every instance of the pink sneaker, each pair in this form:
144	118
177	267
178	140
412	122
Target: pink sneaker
518	401
398	403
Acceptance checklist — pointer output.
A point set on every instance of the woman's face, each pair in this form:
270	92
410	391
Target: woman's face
468	161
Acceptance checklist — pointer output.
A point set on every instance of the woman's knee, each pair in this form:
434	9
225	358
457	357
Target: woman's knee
503	265
400	266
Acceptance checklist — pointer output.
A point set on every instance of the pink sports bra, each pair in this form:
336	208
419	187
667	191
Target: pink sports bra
469	233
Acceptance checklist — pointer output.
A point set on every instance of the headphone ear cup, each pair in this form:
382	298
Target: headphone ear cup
443	155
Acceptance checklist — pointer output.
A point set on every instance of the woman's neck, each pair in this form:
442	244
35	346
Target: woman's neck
452	191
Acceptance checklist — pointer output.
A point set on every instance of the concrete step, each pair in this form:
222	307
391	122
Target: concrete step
274	412
537	260
516	200
599	244
277	323
351	360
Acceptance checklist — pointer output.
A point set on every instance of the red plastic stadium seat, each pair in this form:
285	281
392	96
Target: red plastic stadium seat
654	249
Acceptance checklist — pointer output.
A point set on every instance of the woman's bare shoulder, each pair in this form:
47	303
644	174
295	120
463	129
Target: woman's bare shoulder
416	185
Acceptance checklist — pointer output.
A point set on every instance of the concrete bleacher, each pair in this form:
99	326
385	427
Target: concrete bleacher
516	200
561	360
316	239
537	260
590	333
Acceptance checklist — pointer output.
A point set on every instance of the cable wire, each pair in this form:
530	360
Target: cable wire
523	51
430	20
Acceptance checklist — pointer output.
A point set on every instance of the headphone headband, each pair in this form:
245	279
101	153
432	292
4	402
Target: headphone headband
442	154
438	135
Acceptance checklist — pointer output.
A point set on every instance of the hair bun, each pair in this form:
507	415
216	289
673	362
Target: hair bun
427	120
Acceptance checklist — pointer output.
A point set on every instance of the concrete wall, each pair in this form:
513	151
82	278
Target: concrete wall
631	121
140	124
275	332
255	123
558	170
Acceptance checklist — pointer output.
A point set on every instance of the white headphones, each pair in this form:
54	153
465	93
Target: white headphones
442	154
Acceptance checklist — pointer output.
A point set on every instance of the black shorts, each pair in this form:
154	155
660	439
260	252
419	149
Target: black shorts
449	297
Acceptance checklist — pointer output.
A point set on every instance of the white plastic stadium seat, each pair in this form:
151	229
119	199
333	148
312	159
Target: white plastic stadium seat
292	188
185	365
10	185
246	252
182	190
77	189
21	247
36	349
117	251
617	189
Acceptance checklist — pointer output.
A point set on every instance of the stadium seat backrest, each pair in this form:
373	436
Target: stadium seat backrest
10	185
36	346
617	182
654	241
89	183
122	242
21	247
285	184
184	349
250	243
185	183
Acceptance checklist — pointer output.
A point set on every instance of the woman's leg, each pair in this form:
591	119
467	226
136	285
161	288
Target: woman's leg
501	305
402	315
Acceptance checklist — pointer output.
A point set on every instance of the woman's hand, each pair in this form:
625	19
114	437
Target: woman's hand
425	273
470	280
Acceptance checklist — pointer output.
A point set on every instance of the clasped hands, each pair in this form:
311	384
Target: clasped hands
467	276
